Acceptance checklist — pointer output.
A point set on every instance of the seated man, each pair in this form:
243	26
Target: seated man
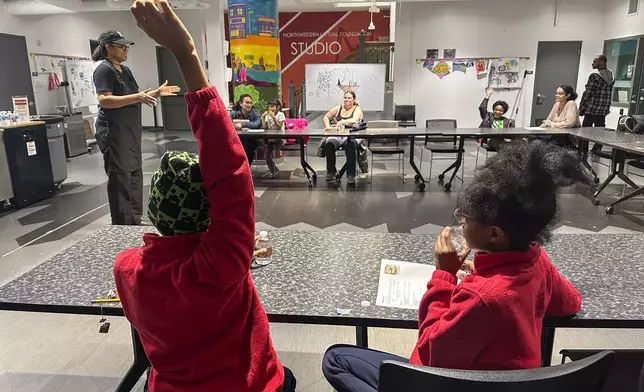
188	292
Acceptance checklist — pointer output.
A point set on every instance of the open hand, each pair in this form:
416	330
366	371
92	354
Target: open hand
146	98
488	92
162	25
167	91
446	257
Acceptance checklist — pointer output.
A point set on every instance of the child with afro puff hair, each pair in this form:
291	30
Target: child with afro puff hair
492	320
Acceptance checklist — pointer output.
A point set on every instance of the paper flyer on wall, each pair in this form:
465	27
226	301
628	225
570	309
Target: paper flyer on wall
441	69
459	66
402	285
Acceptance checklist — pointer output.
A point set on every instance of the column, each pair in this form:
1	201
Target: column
215	47
254	44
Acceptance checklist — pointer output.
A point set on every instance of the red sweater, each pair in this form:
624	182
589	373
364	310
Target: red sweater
492	320
191	297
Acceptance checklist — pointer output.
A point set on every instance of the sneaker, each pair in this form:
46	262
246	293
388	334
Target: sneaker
330	177
351	180
268	175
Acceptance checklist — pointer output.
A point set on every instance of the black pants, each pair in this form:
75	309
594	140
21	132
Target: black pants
593	120
125	195
288	386
124	192
354	369
350	148
250	145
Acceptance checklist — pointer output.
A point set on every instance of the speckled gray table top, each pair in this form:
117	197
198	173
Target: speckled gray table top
314	273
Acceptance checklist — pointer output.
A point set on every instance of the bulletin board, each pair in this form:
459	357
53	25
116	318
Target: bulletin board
79	74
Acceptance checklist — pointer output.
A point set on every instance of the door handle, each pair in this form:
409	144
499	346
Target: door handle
540	99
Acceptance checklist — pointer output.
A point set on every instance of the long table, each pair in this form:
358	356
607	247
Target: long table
624	145
370	133
309	281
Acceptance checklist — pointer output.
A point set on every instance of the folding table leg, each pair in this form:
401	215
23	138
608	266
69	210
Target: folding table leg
362	340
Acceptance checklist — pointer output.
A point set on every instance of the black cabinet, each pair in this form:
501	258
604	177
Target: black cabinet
29	164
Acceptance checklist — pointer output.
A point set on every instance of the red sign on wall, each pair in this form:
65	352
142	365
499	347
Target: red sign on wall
322	38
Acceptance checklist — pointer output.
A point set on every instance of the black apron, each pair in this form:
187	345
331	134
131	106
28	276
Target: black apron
119	139
122	136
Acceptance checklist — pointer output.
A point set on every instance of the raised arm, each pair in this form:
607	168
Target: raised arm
223	258
484	104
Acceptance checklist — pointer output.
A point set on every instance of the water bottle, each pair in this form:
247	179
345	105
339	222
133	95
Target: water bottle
264	248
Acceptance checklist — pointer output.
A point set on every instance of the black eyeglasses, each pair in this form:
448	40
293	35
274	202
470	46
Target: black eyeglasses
124	48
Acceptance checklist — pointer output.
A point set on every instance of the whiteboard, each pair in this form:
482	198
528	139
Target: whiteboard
326	83
81	92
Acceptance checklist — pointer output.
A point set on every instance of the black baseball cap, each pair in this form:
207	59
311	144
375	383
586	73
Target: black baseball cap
113	37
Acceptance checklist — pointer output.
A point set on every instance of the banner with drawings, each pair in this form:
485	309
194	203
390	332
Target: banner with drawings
500	73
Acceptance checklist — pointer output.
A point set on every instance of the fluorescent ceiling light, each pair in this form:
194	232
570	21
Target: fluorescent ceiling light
362	5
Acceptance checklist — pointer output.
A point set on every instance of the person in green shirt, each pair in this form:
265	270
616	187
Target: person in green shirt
495	119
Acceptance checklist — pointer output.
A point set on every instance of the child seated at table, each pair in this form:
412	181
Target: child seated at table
188	292
273	118
492	320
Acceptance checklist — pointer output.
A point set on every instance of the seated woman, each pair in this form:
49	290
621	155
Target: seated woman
244	116
273	118
495	119
344	115
565	113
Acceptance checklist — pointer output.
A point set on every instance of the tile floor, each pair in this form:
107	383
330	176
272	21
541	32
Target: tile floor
51	353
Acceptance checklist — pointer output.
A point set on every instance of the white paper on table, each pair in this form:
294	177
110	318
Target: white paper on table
535	129
255	130
402	285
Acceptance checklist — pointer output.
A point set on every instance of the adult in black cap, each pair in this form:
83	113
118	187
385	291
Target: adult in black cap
118	127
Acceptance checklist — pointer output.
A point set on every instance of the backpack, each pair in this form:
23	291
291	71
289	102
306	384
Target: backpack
631	124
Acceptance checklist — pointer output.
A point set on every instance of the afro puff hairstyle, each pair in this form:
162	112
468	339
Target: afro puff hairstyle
516	190
503	104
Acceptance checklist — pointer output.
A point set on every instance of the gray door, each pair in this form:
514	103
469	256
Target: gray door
637	98
557	64
173	108
15	77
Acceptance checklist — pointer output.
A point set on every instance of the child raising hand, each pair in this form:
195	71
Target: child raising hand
188	292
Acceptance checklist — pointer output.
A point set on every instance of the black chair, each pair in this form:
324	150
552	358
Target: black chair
586	375
623	375
641	386
441	145
405	115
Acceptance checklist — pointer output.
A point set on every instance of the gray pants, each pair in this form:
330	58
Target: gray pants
125	195
124	192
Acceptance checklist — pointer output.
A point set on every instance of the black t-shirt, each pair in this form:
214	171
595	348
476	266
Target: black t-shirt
109	79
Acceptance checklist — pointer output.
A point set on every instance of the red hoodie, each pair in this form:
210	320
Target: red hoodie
492	320
191	297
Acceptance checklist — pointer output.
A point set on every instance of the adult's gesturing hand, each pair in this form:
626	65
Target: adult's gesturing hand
160	23
167	91
145	97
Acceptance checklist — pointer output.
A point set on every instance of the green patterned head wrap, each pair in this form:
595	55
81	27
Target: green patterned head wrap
177	203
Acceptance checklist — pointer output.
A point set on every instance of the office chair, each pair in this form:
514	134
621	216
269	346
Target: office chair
386	150
405	115
439	145
585	375
623	374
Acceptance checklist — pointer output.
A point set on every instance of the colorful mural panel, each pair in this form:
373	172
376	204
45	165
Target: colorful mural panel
253	27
